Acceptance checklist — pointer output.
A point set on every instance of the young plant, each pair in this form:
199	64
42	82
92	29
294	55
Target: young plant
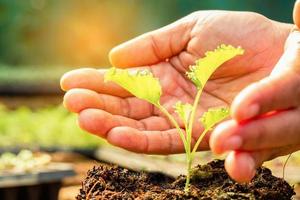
143	85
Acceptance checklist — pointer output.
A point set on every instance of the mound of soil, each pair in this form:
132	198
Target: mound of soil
208	182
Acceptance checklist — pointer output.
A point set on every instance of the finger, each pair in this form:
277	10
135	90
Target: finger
276	130
278	91
151	135
150	142
77	100
155	46
155	123
241	166
91	79
296	14
100	122
272	93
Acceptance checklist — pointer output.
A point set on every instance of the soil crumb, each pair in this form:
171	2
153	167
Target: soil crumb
209	182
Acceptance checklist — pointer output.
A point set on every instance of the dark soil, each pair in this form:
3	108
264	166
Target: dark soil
208	182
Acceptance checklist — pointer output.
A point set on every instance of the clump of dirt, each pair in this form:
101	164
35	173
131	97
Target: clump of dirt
208	182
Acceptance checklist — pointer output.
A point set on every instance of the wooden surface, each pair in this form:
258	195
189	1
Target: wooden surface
69	192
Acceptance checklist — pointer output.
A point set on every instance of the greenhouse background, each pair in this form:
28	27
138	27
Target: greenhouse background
40	40
74	33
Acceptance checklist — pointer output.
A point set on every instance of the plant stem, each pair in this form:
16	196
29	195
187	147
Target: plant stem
189	130
192	116
173	121
284	166
188	176
198	142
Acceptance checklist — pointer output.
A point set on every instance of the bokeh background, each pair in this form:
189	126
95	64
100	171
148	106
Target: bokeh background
80	33
42	39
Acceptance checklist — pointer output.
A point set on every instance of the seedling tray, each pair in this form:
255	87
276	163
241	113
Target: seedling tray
44	183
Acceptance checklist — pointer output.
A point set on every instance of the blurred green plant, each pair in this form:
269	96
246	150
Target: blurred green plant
45	127
24	161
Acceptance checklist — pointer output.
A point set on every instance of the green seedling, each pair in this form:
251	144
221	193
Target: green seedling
143	85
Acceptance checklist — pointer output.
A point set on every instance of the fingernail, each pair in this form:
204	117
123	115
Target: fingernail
232	143
251	166
251	111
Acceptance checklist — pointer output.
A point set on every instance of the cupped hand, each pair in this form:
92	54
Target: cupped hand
266	115
110	112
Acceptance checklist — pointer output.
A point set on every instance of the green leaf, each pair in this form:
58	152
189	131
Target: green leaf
184	111
205	67
141	83
214	116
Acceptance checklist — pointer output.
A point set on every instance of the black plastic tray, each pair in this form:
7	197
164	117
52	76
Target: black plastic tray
40	184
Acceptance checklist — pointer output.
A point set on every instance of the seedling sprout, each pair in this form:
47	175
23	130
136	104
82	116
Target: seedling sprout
144	85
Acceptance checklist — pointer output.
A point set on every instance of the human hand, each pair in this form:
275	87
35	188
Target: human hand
110	112
266	116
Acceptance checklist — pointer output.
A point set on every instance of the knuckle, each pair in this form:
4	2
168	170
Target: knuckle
70	101
155	47
126	107
258	133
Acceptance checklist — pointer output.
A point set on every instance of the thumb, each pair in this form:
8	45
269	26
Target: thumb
278	91
292	45
296	14
155	46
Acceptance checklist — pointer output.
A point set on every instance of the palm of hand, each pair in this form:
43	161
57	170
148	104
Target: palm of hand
234	75
205	31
